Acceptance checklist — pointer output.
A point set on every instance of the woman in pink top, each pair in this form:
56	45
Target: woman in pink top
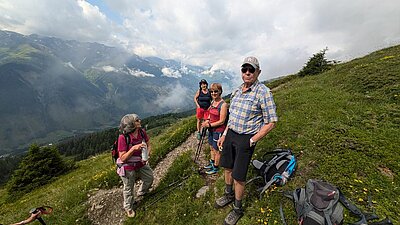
215	123
130	163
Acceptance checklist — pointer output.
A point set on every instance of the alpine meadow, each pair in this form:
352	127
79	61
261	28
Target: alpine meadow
343	125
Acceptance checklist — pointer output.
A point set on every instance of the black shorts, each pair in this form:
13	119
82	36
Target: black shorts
236	154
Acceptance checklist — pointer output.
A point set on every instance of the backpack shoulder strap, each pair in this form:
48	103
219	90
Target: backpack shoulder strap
127	140
220	105
267	185
353	209
142	133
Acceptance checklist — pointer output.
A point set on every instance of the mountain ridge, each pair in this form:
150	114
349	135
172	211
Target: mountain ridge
52	88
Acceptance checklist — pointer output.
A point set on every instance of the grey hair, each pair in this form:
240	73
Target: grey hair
127	124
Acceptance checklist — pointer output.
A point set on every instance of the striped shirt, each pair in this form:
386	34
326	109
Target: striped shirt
252	109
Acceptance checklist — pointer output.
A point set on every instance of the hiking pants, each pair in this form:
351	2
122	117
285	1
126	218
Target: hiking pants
146	175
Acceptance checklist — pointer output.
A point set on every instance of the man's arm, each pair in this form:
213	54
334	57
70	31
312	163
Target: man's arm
263	131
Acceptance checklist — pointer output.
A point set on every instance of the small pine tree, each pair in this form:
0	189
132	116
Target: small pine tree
37	168
316	64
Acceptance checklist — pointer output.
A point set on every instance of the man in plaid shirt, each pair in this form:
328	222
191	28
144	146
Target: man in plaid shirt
252	115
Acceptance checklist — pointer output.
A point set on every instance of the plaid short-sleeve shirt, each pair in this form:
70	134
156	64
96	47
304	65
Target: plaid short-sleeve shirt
250	110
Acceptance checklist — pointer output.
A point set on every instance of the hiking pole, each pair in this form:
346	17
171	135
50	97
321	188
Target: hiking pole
168	186
198	150
162	196
386	221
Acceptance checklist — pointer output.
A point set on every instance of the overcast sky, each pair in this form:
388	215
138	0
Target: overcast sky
283	34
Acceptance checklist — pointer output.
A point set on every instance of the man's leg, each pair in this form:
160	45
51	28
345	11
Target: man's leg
228	176
229	195
239	189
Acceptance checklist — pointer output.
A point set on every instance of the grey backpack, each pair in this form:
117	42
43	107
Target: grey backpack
318	204
321	203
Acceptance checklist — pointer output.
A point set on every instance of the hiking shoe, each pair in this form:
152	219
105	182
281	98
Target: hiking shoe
213	170
130	213
233	217
198	135
209	166
224	200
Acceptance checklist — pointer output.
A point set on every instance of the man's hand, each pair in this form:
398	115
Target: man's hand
221	141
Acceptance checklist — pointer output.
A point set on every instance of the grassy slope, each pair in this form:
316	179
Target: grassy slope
68	194
345	122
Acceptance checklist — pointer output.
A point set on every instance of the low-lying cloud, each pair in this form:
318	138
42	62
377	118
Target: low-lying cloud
282	34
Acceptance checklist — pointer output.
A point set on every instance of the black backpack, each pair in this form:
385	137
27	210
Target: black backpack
321	203
275	167
114	147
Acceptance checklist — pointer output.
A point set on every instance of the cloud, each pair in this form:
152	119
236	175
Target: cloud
217	34
138	73
176	97
168	72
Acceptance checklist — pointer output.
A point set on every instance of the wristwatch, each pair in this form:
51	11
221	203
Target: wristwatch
252	143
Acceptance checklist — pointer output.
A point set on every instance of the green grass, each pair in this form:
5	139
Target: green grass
68	194
344	127
343	124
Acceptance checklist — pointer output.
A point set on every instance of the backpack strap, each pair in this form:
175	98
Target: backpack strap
127	140
142	134
299	198
353	209
277	151
267	185
219	106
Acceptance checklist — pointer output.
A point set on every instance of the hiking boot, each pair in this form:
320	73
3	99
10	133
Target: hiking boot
224	200
198	135
130	213
209	166
213	170
233	217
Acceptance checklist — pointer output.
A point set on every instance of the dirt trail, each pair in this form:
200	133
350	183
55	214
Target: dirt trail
105	206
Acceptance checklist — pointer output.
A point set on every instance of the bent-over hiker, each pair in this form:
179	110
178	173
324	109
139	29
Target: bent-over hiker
215	125
130	162
252	115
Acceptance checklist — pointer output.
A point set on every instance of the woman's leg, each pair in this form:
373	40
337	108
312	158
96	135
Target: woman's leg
129	182
146	175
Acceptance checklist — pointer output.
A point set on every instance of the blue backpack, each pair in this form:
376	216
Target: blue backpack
275	167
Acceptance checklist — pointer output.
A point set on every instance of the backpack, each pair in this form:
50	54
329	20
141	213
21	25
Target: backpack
276	167
321	203
317	204
114	147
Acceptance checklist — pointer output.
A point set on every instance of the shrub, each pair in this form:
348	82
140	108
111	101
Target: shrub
38	167
316	64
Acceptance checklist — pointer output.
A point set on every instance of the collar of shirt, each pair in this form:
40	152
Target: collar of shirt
251	87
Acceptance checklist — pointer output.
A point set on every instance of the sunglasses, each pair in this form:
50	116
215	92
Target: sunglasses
214	91
250	69
138	120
